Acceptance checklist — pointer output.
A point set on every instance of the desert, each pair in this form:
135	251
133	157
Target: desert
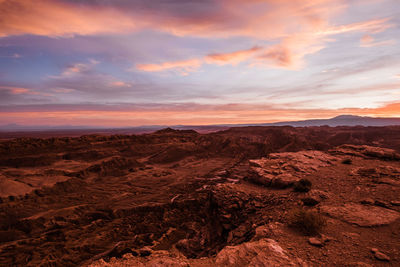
248	196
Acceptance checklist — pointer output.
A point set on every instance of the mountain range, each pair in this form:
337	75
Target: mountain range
342	120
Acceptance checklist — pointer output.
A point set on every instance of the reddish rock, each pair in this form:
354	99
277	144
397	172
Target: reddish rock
362	215
379	255
315	242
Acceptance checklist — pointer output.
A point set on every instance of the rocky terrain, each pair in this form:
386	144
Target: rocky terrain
250	196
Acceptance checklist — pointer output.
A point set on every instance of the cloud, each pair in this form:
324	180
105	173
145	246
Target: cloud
21	91
57	18
183	67
83	77
15	55
298	27
120	115
120	84
11	95
369	26
232	58
290	52
79	68
87	81
369	41
279	56
269	19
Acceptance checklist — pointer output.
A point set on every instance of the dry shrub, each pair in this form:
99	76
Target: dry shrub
309	222
347	161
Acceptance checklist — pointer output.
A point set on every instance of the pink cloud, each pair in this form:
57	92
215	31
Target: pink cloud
183	67
279	56
119	84
369	41
369	26
233	58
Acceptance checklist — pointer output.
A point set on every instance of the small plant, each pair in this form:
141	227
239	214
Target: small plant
309	222
302	185
347	161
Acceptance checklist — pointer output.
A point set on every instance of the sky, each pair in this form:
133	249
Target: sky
122	63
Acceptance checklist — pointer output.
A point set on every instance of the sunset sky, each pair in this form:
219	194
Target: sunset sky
140	62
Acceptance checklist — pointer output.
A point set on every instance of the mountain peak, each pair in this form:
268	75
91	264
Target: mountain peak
346	117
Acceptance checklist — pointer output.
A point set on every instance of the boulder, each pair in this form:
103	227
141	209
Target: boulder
315	242
379	255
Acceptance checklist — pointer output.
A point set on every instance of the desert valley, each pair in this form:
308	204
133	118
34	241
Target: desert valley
249	196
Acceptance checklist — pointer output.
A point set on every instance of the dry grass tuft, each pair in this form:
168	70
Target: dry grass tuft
309	222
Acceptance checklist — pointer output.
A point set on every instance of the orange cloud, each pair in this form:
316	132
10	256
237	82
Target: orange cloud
279	55
269	19
18	91
290	53
183	67
233	58
56	18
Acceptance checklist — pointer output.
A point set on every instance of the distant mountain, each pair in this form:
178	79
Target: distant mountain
342	120
17	127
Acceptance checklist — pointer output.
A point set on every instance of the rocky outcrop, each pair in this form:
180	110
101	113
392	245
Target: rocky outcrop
380	175
112	167
361	215
263	252
159	258
281	170
171	154
365	151
12	187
